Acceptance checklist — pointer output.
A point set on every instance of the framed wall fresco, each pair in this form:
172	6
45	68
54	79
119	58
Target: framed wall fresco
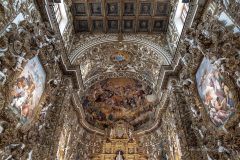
215	93
28	89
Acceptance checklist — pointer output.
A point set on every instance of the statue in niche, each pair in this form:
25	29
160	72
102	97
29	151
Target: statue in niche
119	156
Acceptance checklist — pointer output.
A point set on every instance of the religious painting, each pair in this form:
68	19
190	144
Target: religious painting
97	25
129	8
28	89
117	99
80	9
113	25
82	25
159	25
112	8
145	8
128	25
162	9
216	96
143	25
96	9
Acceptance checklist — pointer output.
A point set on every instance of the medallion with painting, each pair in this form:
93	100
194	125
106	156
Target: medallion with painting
28	89
215	93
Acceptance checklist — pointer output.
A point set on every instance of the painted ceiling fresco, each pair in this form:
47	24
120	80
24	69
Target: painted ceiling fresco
119	99
125	16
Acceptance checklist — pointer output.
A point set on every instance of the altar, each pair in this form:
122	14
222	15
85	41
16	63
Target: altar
120	146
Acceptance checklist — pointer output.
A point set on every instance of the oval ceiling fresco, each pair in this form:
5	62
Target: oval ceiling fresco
117	99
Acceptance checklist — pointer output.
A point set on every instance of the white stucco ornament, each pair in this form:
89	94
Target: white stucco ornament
151	98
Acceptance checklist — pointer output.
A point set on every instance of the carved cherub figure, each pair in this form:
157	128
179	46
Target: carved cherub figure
237	73
57	59
3	46
220	63
2	126
221	149
3	76
20	59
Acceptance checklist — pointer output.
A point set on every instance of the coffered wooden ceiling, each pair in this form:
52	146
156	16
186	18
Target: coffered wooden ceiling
114	16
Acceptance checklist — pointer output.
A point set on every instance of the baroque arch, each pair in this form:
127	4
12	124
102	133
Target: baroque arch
123	58
140	56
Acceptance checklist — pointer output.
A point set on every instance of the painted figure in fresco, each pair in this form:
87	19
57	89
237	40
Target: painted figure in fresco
116	99
28	89
215	94
22	94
